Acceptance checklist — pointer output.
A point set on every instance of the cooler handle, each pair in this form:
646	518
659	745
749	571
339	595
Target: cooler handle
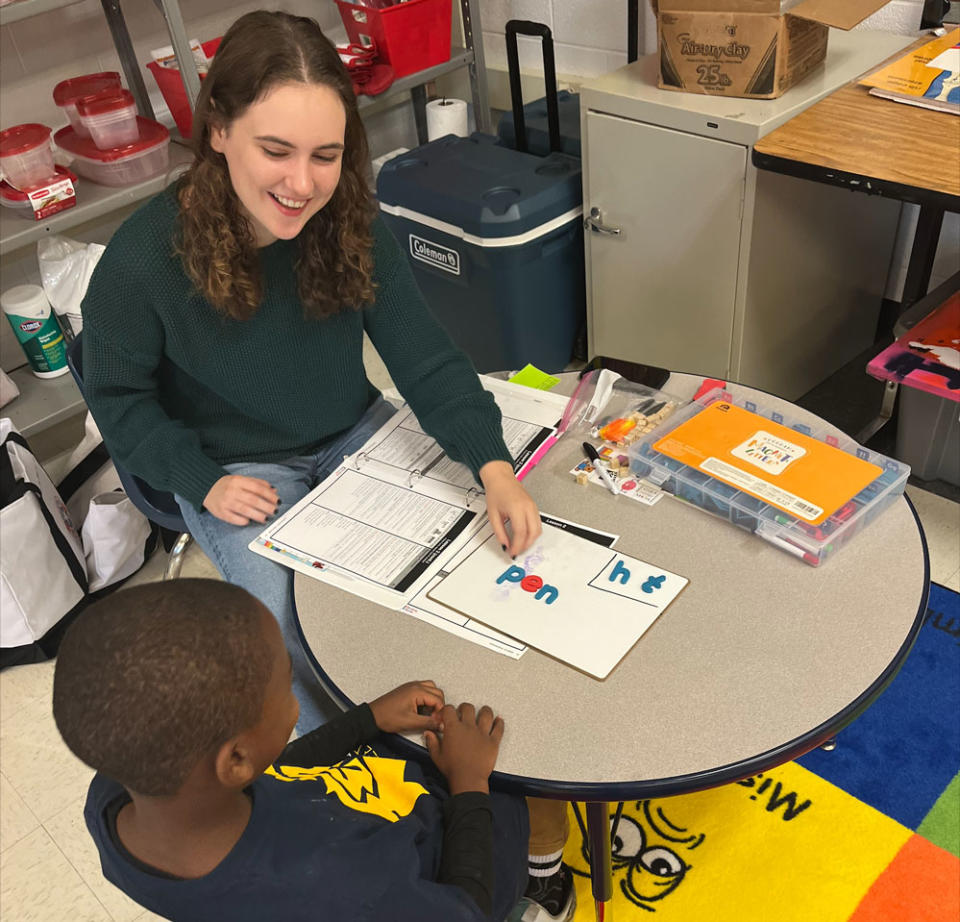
534	29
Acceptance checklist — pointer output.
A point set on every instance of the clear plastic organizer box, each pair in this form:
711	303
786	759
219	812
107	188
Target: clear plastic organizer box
811	543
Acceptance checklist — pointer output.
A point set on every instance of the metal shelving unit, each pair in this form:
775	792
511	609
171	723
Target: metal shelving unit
24	9
45	402
93	201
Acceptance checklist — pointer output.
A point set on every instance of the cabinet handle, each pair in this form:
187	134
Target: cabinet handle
595	223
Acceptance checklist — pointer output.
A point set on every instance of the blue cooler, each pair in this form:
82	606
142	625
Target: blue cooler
535	118
495	239
495	236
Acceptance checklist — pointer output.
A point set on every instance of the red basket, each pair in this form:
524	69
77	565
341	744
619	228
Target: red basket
174	95
408	36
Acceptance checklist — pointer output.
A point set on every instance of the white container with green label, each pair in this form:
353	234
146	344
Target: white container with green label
37	329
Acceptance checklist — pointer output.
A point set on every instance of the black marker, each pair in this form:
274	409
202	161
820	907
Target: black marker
595	461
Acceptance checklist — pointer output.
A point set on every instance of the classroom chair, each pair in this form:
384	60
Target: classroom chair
158	506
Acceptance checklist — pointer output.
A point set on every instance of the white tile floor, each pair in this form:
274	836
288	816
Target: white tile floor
49	870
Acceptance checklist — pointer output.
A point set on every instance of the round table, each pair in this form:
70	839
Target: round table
760	659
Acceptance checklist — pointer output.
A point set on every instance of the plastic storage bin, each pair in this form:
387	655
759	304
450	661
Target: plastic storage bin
67	92
495	241
26	157
110	118
928	426
409	36
170	84
811	543
17	201
538	135
145	158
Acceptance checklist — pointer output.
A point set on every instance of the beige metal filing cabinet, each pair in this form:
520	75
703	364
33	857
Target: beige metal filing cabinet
698	262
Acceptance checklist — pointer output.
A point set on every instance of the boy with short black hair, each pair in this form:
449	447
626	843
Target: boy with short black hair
179	694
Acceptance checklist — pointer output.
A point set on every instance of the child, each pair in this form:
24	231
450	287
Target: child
179	695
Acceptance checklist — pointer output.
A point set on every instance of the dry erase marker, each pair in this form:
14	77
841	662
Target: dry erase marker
598	467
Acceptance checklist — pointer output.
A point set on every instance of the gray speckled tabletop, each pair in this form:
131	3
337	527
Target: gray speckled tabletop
760	658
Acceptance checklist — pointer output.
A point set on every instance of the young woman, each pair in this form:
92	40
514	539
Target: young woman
223	327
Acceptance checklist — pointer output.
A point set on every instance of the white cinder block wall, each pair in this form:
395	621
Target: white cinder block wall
590	36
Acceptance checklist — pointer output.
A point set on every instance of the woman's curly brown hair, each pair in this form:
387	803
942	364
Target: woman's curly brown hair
216	241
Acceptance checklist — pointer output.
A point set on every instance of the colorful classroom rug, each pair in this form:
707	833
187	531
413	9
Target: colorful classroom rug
869	832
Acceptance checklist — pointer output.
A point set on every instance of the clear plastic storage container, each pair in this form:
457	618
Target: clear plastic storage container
148	156
811	543
17	201
67	92
110	117
26	157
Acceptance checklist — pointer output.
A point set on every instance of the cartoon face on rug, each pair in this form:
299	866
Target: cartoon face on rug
650	854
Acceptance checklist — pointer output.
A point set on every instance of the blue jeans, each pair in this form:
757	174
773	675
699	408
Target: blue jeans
272	583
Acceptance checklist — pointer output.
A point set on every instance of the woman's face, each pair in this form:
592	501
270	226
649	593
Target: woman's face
284	154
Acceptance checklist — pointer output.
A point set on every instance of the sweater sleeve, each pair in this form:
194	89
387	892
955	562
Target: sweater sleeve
123	341
331	741
467	860
434	376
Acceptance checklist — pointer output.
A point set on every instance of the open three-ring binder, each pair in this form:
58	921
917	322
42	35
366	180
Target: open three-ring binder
389	520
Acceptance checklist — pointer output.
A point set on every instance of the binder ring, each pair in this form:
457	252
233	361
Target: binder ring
472	494
414	475
359	458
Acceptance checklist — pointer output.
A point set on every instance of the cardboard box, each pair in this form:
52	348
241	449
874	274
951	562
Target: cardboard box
752	48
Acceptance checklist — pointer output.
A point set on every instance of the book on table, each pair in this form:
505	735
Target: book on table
928	76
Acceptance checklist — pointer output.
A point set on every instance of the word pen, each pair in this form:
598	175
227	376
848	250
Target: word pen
599	468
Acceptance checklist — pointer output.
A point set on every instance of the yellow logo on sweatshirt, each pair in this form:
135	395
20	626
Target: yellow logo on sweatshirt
365	783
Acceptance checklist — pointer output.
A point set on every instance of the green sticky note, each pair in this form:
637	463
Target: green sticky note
535	378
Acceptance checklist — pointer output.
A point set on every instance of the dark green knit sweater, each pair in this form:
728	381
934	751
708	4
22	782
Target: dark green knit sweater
178	390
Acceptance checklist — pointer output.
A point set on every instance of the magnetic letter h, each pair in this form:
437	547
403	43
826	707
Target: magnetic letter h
621	571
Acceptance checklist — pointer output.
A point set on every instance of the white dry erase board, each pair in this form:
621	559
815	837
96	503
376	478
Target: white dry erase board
568	597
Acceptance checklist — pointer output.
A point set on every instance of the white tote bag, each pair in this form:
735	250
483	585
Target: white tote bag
43	574
113	531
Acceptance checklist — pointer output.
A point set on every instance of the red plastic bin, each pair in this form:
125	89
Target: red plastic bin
171	87
408	36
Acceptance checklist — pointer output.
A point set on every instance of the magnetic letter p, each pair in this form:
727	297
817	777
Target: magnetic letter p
512	575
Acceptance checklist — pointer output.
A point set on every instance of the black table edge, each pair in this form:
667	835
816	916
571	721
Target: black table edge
679	784
856	182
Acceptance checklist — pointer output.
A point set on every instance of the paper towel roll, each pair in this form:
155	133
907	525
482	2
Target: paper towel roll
446	116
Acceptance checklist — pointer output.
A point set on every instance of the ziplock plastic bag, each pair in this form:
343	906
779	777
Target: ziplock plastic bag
65	269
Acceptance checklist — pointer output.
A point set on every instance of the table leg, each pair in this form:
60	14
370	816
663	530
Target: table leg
922	254
601	878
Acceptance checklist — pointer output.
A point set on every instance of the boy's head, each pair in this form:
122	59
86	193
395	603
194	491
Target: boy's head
152	681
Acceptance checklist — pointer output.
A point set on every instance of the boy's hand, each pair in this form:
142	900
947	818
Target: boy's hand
467	750
412	706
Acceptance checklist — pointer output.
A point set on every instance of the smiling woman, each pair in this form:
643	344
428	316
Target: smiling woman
282	182
224	325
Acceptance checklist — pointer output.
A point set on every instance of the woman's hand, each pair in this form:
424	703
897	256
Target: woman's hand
507	501
466	752
241	500
397	711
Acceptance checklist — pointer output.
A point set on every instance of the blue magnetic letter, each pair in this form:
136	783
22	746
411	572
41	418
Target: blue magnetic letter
512	575
621	571
548	590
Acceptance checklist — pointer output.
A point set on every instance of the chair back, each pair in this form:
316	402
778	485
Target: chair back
157	505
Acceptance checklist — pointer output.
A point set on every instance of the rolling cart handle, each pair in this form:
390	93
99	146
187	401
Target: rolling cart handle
524	27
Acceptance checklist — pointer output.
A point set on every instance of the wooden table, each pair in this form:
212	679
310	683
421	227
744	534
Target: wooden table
880	147
760	659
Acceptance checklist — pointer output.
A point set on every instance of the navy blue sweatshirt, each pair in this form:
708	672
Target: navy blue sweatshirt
366	837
